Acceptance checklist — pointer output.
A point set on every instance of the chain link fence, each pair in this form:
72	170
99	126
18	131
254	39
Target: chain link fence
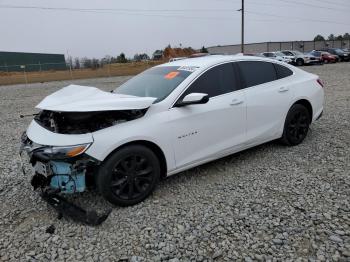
33	73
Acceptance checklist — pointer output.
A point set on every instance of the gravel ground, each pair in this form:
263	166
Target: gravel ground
270	203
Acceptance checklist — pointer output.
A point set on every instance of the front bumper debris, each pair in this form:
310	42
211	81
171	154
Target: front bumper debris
56	177
67	209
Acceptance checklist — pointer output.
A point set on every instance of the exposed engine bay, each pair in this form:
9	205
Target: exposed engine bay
85	122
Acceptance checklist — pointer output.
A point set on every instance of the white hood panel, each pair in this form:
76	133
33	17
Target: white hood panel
75	98
42	136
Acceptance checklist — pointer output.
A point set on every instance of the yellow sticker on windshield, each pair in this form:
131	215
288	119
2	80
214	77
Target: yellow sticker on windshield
171	75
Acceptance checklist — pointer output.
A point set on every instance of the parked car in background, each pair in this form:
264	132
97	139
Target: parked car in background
176	58
250	54
198	55
279	56
325	57
300	59
343	56
347	51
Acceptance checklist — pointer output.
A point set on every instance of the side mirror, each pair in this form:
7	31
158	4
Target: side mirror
193	99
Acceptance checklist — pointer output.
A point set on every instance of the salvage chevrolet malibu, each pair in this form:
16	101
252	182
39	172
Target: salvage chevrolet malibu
170	118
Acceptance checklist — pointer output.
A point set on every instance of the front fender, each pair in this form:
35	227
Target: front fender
110	139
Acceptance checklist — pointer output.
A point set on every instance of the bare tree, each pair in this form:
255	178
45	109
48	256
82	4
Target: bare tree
76	63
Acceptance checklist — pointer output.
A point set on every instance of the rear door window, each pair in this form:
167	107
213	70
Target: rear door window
257	72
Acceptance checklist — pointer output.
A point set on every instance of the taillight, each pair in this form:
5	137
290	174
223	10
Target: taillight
319	81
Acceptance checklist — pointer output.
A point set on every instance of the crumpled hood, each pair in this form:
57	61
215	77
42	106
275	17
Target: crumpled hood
75	98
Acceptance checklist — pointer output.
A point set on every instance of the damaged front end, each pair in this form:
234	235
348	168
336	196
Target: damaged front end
56	141
85	122
61	170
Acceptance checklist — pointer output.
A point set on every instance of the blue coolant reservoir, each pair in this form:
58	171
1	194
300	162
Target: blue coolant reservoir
65	179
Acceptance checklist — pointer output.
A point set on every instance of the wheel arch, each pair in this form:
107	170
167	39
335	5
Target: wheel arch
152	146
307	104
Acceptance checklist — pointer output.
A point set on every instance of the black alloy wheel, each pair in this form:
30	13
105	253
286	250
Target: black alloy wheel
129	175
296	125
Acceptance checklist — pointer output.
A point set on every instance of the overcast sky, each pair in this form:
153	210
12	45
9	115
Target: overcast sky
135	26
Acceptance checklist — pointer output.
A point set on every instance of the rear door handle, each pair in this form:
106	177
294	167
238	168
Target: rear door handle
283	89
235	102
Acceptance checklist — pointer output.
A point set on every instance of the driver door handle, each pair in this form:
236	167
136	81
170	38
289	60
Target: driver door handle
235	102
283	89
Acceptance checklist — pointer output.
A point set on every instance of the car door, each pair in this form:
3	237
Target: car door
268	96
205	131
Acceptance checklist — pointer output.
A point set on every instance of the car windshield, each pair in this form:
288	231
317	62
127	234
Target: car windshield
279	54
268	54
339	51
297	52
156	82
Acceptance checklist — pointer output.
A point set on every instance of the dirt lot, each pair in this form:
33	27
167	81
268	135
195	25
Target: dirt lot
271	202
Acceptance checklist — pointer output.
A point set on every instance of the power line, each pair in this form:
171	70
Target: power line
301	3
123	12
141	12
333	3
114	9
134	12
314	6
299	18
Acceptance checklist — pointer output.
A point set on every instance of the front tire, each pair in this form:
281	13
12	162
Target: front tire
129	175
296	125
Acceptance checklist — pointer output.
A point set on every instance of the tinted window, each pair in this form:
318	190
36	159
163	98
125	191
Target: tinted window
156	82
257	72
216	81
316	53
282	71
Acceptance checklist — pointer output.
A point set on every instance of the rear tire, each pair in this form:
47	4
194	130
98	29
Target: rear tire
296	125
129	175
300	62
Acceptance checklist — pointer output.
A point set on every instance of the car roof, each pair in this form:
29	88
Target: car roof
207	61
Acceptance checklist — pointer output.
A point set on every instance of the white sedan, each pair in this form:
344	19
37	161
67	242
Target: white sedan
278	56
170	118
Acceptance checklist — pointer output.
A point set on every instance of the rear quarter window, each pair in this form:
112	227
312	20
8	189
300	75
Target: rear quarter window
282	71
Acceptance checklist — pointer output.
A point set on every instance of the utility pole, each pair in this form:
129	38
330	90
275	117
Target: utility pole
70	65
242	29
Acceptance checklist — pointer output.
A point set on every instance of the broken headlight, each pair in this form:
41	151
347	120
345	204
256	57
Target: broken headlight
61	152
